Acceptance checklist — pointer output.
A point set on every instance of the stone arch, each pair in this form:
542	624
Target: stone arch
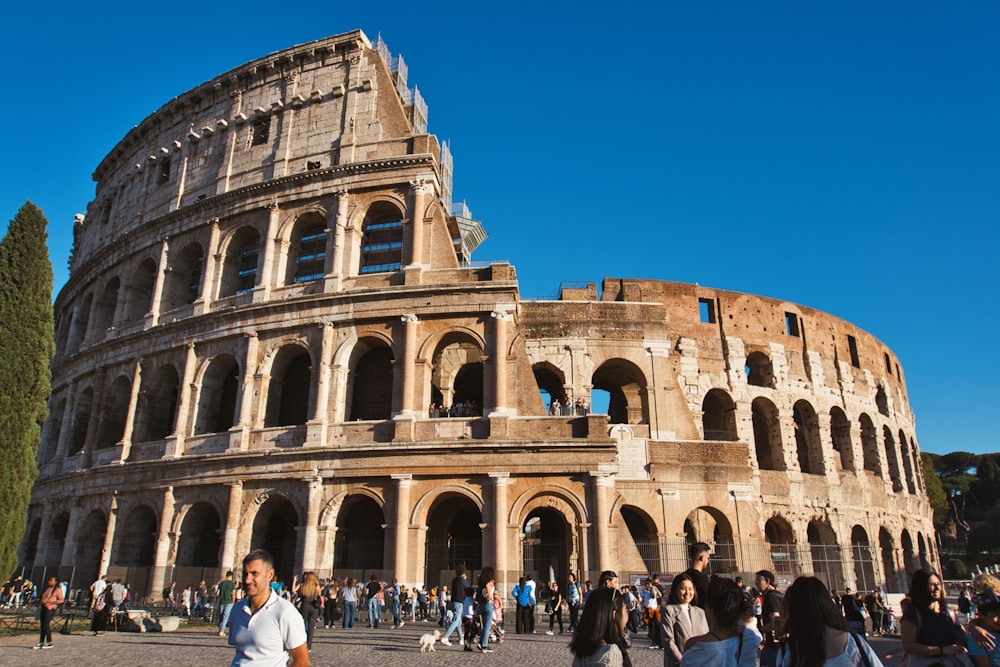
274	530
891	458
840	435
780	538
626	384
807	440
645	537
135	542
882	401
139	291
81	420
759	370
90	544
825	551
111	427
454	535
370	379
104	309
81	322
863	560
549	495
360	538
33	534
306	258
551	381
908	463
157	406
58	529
767	434
217	395
923	559
909	557
199	543
711	525
241	264
887	549
719	416
382	237
457	371
290	386
182	282
869	445
54	427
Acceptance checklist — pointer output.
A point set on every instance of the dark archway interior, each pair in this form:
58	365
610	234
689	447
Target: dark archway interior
199	542
372	395
546	545
453	537
360	541
274	531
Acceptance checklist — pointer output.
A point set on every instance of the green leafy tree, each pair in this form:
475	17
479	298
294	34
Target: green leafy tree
935	492
26	349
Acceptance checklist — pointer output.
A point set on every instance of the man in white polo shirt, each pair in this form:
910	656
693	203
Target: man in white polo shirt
266	629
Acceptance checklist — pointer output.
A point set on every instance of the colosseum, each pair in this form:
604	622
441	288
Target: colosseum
274	335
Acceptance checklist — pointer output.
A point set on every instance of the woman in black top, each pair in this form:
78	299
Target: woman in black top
555	607
929	629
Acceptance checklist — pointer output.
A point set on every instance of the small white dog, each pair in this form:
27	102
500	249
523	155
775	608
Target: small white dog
427	641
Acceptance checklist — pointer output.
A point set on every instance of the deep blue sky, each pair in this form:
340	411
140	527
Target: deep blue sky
842	155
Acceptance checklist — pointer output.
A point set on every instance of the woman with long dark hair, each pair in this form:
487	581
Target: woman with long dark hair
487	584
729	642
597	641
929	630
681	619
817	631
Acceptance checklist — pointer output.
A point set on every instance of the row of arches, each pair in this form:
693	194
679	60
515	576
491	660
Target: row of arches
899	452
237	260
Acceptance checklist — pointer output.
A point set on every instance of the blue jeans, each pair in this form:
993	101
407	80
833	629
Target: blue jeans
487	615
396	620
224	611
373	612
349	609
456	621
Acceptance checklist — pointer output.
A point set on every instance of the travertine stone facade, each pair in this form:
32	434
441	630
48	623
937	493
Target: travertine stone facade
271	296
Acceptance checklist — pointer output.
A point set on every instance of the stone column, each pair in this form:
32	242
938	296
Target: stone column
163	544
231	531
109	536
601	483
500	319
310	533
66	428
133	402
337	253
265	263
420	190
403	482
154	305
410	324
68	555
213	260
94	420
316	430
239	435
188	391
499	521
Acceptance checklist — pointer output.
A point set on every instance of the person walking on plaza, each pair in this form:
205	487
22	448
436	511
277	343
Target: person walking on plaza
374	604
574	597
49	601
487	585
265	628
458	586
555	608
309	604
227	591
522	596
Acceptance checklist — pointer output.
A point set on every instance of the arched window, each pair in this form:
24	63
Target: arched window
139	293
719	416
307	253
81	320
199	541
81	420
382	239
807	440
371	381
239	272
908	463
288	392
882	401
892	458
217	398
869	445
104	309
864	560
182	284
626	384
157	405
550	382
767	435
457	375
759	371
840	433
825	554
112	426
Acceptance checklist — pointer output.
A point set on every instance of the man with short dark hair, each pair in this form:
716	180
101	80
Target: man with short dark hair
700	554
227	590
266	629
458	586
771	601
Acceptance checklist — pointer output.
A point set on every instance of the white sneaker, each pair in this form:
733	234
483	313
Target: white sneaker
445	642
402	623
548	632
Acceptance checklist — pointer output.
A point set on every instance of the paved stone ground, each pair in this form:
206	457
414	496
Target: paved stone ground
359	647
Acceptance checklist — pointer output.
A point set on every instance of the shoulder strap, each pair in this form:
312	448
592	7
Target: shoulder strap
861	649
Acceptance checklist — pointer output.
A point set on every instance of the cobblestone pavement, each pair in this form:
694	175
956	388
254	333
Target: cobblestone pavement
359	647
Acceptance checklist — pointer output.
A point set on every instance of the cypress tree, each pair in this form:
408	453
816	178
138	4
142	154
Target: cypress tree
26	349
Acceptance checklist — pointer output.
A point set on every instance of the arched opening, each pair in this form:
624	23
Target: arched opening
199	541
546	545
840	432
89	544
709	525
643	531
891	458
825	554
767	435
104	309
550	383
882	401
182	283
454	536
81	421
759	371
157	405
217	398
807	441
274	530
112	425
135	543
781	544
864	560
457	375
381	239
908	463
910	564
922	558
719	416
307	251
370	381
288	391
360	542
869	445
239	271
81	321
54	427
57	540
887	547
139	293
626	384
31	544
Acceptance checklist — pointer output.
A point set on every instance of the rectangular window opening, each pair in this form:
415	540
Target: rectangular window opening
888	363
261	129
163	174
791	324
852	346
706	310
